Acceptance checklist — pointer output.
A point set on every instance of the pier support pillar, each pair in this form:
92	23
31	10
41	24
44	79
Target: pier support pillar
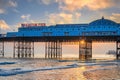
53	50
23	49
117	49
85	50
2	49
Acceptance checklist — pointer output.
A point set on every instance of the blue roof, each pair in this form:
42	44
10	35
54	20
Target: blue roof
103	22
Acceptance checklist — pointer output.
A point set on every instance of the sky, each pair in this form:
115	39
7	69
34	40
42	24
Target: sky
15	12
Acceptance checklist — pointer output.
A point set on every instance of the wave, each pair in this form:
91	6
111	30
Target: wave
99	64
15	71
7	63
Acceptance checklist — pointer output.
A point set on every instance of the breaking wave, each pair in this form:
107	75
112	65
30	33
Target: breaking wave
15	71
7	63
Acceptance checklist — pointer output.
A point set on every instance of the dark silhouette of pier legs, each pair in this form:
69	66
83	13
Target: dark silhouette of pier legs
2	49
85	50
23	49
117	49
53	50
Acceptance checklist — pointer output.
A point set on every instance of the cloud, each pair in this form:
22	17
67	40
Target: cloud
18	25
61	18
12	3
5	4
47	2
77	15
115	17
27	16
4	25
72	5
16	11
2	11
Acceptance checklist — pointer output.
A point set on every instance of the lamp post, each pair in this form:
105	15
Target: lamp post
82	41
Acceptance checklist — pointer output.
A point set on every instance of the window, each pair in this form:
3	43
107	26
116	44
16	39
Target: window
66	33
47	33
84	29
50	29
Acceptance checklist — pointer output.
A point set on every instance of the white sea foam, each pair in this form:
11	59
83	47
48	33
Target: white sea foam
15	71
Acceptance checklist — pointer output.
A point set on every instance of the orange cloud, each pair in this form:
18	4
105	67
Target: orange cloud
100	4
115	17
61	18
3	25
73	5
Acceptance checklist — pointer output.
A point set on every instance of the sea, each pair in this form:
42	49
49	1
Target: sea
50	69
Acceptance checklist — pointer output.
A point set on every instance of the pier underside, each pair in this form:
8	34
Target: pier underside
23	49
53	50
117	49
24	46
2	49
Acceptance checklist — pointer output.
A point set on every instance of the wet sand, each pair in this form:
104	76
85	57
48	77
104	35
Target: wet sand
108	74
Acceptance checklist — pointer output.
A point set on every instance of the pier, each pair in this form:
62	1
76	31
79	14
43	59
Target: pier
55	36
